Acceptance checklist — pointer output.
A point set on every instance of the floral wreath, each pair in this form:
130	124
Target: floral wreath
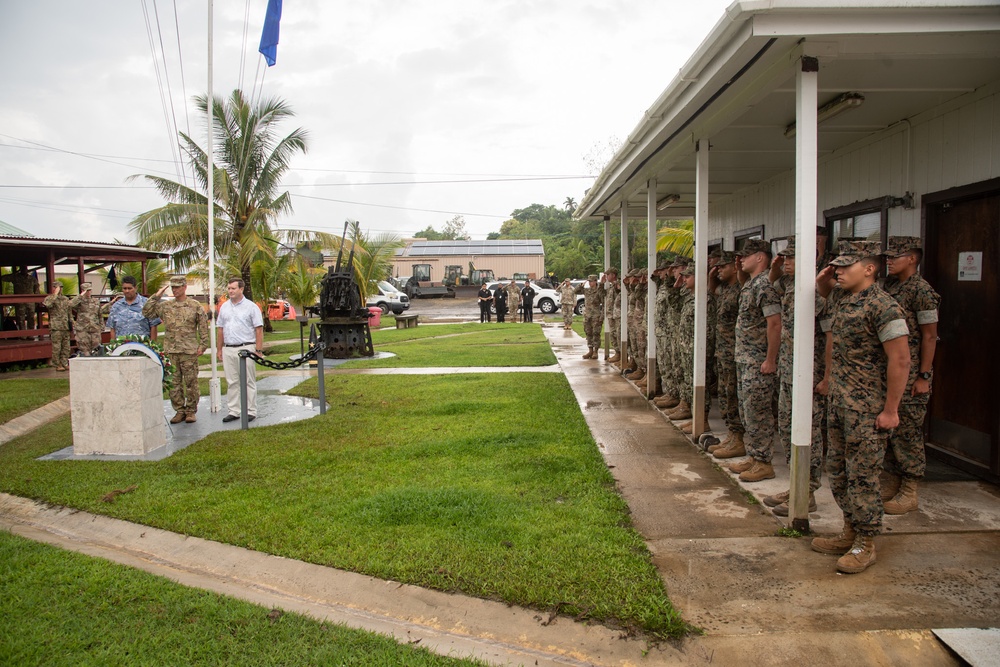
155	346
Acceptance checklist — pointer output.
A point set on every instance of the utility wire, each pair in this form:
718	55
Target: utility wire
180	60
174	151
401	208
166	77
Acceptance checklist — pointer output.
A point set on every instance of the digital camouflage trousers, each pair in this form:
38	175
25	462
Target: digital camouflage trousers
816	442
855	450
184	393
904	451
756	395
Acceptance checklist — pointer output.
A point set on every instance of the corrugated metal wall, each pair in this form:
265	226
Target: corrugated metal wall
504	266
954	144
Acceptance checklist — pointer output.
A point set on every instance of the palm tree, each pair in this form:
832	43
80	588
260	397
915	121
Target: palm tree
251	158
570	204
677	238
372	256
157	273
301	284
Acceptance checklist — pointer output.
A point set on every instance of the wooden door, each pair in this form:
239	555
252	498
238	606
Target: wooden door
964	414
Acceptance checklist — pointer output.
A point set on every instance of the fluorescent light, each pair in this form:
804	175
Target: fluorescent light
662	204
840	104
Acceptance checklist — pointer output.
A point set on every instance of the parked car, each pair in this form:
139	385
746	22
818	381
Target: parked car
546	300
388	298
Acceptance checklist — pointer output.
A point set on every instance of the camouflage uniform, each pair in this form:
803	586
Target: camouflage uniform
185	334
686	342
727	308
88	324
758	301
23	283
905	454
675	302
630	322
613	308
861	323
59	312
513	300
785	286
593	312
567	299
639	315
660	317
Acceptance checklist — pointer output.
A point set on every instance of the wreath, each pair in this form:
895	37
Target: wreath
155	346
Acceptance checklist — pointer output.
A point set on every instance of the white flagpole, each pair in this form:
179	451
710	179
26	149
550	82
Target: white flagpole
214	386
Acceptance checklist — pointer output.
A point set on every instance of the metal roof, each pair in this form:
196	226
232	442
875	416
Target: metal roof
16	250
458	248
10	230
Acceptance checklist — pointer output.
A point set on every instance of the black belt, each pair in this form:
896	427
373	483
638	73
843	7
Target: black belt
240	344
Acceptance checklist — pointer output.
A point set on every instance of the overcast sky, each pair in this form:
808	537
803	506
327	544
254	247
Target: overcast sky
389	91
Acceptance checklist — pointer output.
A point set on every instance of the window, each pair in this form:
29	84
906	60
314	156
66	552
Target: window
867	220
741	237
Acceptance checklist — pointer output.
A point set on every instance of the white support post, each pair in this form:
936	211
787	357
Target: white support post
700	403
652	372
214	384
623	337
806	96
607	262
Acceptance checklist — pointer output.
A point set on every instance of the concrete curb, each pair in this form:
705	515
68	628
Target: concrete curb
26	423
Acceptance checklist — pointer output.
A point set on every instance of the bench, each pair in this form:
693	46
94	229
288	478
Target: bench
406	321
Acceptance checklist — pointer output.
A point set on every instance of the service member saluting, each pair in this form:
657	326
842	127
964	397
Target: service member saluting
186	338
241	326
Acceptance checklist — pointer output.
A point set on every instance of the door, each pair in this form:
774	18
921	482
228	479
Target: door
964	413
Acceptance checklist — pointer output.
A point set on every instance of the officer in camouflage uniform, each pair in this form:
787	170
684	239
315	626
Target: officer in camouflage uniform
186	332
612	309
686	339
629	284
59	327
664	283
593	313
639	297
567	300
867	371
675	302
88	324
513	300
727	291
23	283
905	457
783	279
758	337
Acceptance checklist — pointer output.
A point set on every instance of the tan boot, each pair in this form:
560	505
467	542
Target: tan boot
637	376
721	444
615	358
595	353
682	411
861	555
758	472
838	544
190	417
590	353
782	509
741	466
904	501
687	427
776	499
177	418
669	402
733	449
890	483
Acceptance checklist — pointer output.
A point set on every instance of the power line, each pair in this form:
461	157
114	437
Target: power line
402	208
439	182
180	60
67	208
159	83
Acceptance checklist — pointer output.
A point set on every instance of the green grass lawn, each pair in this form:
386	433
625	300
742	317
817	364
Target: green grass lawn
64	608
19	396
484	484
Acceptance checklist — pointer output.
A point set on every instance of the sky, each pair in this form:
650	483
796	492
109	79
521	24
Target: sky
512	94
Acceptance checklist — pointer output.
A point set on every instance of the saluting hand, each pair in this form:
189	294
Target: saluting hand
162	290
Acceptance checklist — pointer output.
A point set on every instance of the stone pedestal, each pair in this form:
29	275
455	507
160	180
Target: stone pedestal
116	405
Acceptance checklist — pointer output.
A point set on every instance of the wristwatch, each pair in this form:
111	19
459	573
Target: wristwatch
925	375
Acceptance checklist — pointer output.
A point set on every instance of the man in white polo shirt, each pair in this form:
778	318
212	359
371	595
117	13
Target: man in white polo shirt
241	327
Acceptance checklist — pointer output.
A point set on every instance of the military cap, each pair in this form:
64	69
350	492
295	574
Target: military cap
688	270
821	230
592	277
84	287
900	245
664	265
178	281
844	243
611	270
754	245
726	257
788	250
632	273
680	260
857	251
640	273
717	253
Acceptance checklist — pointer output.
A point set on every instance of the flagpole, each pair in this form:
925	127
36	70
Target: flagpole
214	386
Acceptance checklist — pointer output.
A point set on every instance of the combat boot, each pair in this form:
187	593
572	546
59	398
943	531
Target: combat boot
177	418
861	555
838	544
596	353
782	509
590	353
904	501
776	499
687	427
733	449
682	411
741	466
667	402
615	358
758	472
637	376
721	444
190	417
890	483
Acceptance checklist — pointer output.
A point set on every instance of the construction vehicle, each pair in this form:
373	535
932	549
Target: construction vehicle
479	276
453	275
420	285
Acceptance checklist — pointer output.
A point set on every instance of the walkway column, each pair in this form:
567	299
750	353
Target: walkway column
701	398
623	338
607	263
806	87
652	372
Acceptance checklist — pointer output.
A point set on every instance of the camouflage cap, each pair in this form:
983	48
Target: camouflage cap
754	245
178	281
680	260
632	274
664	265
900	245
611	271
640	273
592	276
788	250
84	287
844	243
716	253
688	270
726	257
857	251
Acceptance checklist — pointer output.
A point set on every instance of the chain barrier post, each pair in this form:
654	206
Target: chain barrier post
244	422
321	379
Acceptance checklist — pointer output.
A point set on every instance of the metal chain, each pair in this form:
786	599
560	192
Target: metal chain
282	365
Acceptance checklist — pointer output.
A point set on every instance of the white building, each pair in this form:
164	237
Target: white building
872	118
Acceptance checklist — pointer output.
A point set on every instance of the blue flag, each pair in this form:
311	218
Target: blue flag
269	37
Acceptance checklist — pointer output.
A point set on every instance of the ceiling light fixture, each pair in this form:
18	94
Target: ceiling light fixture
664	203
840	104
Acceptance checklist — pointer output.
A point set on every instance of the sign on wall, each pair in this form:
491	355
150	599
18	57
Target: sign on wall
970	266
